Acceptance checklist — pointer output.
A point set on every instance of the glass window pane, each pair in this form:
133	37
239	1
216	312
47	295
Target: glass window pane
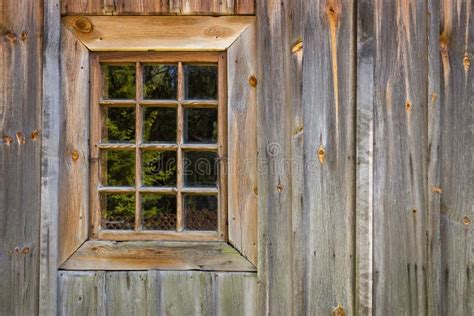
159	168
200	212
159	211
118	81
200	82
159	125
118	210
118	167
200	125
119	124
160	82
200	169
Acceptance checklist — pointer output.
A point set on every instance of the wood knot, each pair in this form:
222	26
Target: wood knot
20	138
218	31
298	46
338	311
333	11
11	37
466	62
279	188
23	36
321	154
34	134
83	25
255	190
26	250
414	211
466	220
75	155
253	81
444	44
408	106
7	139
436	190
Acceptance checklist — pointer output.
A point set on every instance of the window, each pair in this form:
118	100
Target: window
159	132
158	159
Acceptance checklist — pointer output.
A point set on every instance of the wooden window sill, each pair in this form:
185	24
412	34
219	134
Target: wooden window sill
155	255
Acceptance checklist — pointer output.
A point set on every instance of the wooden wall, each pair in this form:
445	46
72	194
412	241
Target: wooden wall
366	187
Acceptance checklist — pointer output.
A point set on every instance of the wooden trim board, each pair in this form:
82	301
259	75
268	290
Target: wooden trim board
157	33
153	255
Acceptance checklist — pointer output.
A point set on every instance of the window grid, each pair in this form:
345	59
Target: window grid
139	147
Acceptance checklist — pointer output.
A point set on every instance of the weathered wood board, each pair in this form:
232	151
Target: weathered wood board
155	7
20	151
157	293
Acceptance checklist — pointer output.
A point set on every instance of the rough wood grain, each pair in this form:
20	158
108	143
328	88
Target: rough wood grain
364	157
81	293
157	7
21	25
157	293
329	151
400	158
242	145
108	255
456	158
165	33
73	145
50	126
274	151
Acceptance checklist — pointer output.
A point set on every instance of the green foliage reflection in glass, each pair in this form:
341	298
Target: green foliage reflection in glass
118	168
200	169
160	82
200	82
119	211
159	211
119	124
159	124
200	125
119	81
200	212
159	168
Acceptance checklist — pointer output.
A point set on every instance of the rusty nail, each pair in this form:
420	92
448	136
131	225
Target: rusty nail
466	220
7	139
75	155
253	81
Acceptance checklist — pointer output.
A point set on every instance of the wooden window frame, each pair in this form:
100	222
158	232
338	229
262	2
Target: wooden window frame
96	126
82	38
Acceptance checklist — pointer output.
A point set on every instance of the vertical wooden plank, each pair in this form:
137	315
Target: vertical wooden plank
82	7
364	157
242	144
126	293
456	158
185	293
433	249
218	7
244	7
299	216
73	137
81	293
400	156
329	151
236	294
274	151
50	126
20	147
